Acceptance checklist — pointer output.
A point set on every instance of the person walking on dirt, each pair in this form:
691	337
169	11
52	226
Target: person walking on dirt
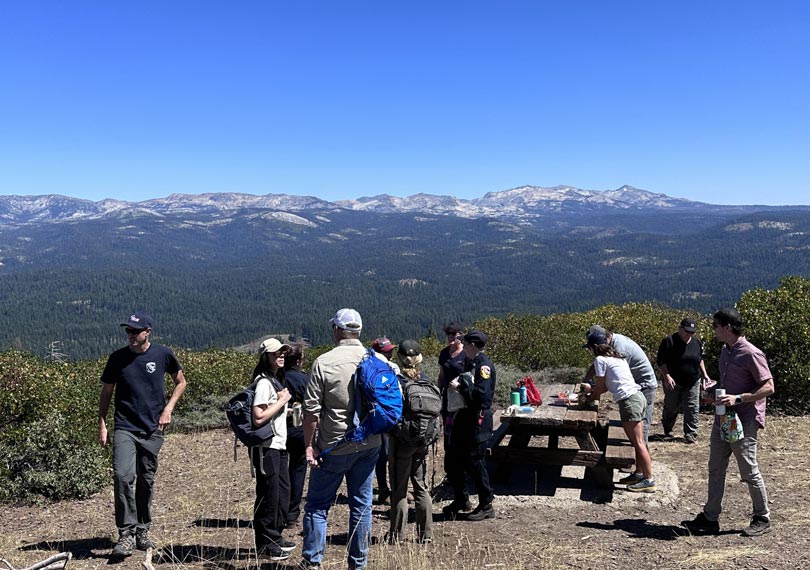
472	429
328	412
640	368
680	361
136	375
747	381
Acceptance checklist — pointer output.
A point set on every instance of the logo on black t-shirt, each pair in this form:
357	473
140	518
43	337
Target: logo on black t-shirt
150	367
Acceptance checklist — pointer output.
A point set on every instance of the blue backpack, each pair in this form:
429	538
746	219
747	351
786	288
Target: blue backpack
377	393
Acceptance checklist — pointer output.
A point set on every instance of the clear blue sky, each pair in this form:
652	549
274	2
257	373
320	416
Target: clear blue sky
706	100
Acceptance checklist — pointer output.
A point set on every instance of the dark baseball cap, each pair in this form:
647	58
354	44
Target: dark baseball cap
476	337
596	335
688	325
138	320
409	348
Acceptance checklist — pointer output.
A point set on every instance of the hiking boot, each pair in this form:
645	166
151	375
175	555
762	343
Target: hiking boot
643	486
455	507
143	540
759	526
126	543
701	525
480	513
632	478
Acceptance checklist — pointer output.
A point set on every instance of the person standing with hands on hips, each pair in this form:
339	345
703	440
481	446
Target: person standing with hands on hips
136	375
747	381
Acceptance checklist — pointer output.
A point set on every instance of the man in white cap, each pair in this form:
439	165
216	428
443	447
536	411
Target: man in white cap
328	412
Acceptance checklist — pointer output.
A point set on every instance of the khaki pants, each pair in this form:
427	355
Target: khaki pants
745	451
409	462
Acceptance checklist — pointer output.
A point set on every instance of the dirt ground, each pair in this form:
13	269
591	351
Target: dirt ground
552	519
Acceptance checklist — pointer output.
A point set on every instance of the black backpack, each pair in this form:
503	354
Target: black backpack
422	406
239	410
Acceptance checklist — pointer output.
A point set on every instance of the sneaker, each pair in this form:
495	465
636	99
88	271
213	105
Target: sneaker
480	513
701	525
689	440
273	554
456	507
126	543
286	545
643	486
307	565
143	540
759	526
632	478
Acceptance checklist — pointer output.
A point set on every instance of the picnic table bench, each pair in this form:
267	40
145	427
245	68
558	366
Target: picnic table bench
602	445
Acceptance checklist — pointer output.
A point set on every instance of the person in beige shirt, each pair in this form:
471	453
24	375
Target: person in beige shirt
329	409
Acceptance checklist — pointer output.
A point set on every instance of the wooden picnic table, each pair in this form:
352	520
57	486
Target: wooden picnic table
596	449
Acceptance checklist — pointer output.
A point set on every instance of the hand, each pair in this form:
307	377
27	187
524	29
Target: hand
669	383
165	419
585	387
727	400
284	396
312	458
102	434
454	384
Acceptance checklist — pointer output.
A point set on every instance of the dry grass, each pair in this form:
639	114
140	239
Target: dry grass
203	503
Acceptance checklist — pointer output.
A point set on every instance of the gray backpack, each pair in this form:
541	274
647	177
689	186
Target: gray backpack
421	412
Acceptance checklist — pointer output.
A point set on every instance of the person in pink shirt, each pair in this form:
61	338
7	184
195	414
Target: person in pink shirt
747	380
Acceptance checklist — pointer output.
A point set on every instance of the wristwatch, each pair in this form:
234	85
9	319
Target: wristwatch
738	399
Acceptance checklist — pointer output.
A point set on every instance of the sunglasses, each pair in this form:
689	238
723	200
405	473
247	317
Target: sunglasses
130	330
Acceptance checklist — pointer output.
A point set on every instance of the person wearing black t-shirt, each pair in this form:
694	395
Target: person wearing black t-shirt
680	360
136	375
451	364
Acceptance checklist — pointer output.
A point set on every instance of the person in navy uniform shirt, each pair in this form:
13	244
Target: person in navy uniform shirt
472	429
135	374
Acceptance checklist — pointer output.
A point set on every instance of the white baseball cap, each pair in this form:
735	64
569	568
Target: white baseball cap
347	319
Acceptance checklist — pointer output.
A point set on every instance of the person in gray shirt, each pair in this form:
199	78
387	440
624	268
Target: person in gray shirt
640	367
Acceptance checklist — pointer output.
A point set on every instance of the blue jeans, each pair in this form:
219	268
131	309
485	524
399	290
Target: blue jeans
323	486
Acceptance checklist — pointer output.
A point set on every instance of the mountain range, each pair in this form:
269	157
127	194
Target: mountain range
220	270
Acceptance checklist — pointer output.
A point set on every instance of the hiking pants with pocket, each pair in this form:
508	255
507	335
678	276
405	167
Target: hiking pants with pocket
135	461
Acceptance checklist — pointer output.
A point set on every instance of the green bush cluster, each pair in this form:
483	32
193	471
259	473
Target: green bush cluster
48	429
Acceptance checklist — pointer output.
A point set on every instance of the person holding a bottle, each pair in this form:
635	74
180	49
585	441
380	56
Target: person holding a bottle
746	381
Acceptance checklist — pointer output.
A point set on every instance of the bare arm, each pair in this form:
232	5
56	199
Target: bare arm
310	427
103	408
598	389
179	387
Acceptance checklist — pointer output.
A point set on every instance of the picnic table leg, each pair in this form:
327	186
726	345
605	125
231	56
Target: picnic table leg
519	438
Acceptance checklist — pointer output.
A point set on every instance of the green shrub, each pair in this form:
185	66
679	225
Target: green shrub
777	322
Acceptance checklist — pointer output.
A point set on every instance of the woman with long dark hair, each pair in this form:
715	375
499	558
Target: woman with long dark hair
270	459
612	373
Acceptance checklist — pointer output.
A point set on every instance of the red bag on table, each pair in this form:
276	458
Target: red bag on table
532	393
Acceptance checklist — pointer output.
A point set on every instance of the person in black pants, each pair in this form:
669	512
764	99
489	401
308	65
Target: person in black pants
296	382
472	429
270	459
